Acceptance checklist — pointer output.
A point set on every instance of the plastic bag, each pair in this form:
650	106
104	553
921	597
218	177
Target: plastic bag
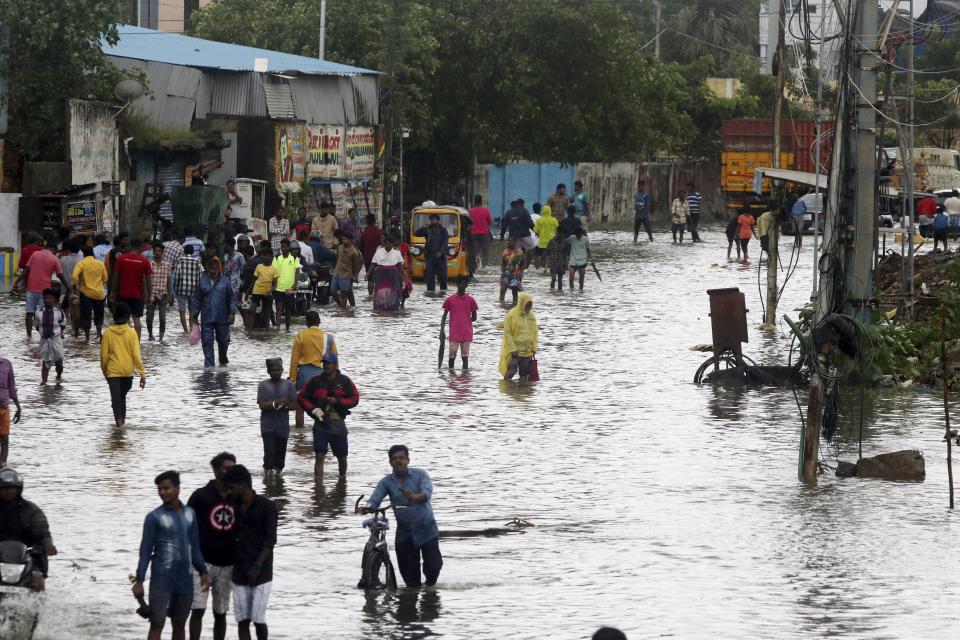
534	370
194	337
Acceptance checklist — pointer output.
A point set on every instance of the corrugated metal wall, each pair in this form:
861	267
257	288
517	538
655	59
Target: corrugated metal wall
279	98
611	188
175	92
237	94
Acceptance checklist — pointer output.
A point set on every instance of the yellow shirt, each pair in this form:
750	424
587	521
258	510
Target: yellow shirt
90	275
120	352
265	275
308	348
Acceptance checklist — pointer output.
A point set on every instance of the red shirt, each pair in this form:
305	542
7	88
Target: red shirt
25	255
131	268
927	207
480	216
370	239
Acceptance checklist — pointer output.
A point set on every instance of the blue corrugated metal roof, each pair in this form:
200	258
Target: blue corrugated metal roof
146	44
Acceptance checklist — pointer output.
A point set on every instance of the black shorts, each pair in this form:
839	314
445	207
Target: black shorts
282	299
940	234
540	251
744	242
336	442
136	306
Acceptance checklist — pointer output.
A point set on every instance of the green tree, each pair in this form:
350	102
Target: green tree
727	30
53	54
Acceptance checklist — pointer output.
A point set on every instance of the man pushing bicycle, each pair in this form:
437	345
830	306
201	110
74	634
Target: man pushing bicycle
410	491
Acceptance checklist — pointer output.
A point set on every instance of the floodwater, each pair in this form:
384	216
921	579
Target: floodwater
660	507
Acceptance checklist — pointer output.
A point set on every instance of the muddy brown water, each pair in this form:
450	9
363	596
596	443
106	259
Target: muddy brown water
660	507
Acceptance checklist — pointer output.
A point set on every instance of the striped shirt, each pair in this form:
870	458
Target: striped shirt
159	279
694	200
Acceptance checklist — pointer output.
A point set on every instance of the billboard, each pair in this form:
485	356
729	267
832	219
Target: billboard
325	151
93	144
361	143
290	152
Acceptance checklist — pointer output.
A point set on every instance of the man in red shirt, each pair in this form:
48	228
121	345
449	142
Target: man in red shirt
38	272
130	282
34	244
370	239
480	232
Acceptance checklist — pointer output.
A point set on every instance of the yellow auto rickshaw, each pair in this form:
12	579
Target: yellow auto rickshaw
451	221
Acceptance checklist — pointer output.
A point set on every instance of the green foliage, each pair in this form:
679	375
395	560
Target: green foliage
52	55
723	29
495	80
143	128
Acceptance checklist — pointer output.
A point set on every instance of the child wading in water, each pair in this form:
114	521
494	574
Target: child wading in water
511	270
51	320
462	310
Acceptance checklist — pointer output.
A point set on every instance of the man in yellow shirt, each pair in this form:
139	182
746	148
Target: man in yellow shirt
265	281
88	278
306	358
119	358
288	265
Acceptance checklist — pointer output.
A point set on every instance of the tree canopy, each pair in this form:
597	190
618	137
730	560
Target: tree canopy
52	54
496	80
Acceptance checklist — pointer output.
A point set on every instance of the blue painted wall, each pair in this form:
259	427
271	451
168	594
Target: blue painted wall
532	182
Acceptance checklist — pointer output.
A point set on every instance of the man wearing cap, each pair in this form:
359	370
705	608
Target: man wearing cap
435	253
329	397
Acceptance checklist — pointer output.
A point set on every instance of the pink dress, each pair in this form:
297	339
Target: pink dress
460	310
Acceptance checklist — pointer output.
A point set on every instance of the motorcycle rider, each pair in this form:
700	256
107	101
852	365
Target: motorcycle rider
23	521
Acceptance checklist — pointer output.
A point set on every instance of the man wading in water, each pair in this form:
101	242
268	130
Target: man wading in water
329	397
410	491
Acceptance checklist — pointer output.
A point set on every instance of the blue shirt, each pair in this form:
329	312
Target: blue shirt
641	204
694	200
799	207
940	220
197	244
415	521
100	251
582	203
171	542
213	301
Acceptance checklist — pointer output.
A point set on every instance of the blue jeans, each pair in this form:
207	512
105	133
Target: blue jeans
210	331
435	268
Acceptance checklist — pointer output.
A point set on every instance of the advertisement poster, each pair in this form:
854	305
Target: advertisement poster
290	152
325	151
82	217
361	152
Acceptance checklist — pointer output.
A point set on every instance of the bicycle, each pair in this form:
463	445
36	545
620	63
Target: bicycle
376	568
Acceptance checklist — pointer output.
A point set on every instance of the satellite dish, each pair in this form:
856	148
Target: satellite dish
128	90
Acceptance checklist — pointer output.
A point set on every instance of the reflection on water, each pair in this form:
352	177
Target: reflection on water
659	507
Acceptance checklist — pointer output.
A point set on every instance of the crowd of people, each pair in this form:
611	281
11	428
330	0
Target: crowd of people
221	541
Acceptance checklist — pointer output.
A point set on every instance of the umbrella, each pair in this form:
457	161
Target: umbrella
595	270
443	342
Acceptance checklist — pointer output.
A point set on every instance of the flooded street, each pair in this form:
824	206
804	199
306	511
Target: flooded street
660	507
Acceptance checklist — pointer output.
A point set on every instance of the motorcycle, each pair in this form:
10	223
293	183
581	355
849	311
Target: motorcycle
21	581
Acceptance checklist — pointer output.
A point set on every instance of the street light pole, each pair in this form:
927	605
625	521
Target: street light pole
323	27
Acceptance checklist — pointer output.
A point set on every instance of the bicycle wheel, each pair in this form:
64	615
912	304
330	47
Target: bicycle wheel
378	571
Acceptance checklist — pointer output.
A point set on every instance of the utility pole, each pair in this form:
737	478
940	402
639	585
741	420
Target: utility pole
773	233
656	41
850	219
908	166
858	265
323	28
